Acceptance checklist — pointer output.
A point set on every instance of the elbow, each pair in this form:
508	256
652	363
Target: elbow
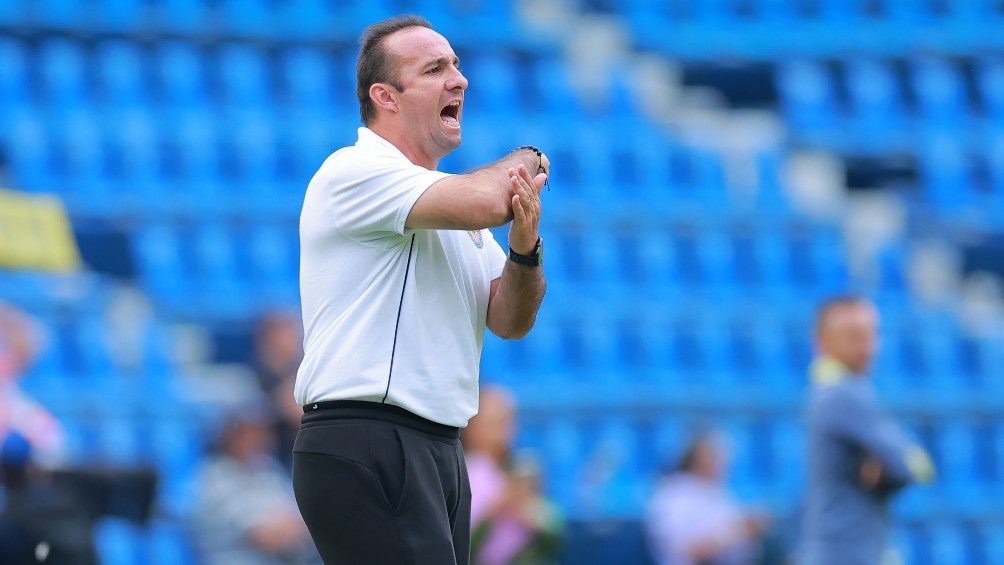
494	213
520	330
491	209
514	334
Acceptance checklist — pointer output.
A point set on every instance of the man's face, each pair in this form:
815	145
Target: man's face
849	334
430	103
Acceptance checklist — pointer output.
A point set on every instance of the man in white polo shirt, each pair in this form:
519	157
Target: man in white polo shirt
399	276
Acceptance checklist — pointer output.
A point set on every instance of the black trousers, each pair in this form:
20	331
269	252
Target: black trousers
378	485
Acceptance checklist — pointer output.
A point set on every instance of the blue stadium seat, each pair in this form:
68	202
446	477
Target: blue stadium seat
306	143
78	163
949	544
243	75
157	248
564	446
253	175
957	472
945	172
60	13
168	544
306	19
907	12
306	78
553	96
253	18
975	10
993	156
990	80
178	444
121	74
771	197
185	17
195	163
118	542
273	253
181	75
222	289
993	540
361	13
940	91
123	15
877	104
13	74
121	442
775	266
13	12
495	84
62	71
808	96
29	156
615	480
132	144
838	11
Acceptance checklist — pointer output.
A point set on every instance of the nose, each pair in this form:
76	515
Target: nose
456	80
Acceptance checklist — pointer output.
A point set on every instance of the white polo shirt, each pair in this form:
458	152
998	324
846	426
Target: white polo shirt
390	314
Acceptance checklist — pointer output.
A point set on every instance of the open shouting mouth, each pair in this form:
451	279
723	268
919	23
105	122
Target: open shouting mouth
450	115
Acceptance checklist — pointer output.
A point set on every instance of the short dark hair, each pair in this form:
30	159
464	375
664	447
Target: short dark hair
830	304
373	65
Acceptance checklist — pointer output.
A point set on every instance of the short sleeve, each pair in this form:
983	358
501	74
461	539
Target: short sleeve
371	198
496	255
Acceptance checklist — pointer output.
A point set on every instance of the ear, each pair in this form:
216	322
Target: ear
383	96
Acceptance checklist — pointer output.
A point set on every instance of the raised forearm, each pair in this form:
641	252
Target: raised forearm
475	200
513	308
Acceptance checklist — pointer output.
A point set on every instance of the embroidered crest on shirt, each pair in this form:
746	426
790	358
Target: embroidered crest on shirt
476	238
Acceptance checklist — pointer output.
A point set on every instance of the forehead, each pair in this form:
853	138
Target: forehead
854	315
418	45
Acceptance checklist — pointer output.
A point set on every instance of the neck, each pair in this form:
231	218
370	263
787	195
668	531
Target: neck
398	139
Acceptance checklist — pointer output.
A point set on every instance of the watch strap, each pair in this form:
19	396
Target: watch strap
535	259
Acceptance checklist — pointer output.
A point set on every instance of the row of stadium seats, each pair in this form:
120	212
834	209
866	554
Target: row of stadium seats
714	32
294	20
726	12
119	73
109	426
198	161
938	90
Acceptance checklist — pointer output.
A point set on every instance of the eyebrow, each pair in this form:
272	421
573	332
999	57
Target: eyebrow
441	61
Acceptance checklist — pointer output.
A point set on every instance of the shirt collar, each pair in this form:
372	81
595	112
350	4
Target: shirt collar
826	371
370	137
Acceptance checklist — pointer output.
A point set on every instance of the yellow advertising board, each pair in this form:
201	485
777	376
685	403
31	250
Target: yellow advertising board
35	233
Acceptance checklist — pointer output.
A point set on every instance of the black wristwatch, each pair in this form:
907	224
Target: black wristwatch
534	259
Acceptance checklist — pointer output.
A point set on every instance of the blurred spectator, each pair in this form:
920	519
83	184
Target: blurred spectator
20	343
287	421
858	457
278	352
4	178
41	522
278	343
694	520
245	511
49	516
511	523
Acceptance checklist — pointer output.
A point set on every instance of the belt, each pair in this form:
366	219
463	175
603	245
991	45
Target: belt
366	410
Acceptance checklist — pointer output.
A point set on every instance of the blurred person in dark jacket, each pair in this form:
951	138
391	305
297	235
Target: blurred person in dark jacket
858	456
42	521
